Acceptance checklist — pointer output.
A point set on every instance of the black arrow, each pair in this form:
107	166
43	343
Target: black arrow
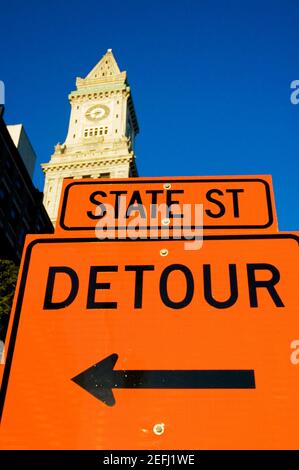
100	379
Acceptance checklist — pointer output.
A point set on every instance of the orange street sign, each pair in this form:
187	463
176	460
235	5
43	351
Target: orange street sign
179	206
144	345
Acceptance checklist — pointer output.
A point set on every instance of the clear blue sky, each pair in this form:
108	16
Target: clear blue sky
210	81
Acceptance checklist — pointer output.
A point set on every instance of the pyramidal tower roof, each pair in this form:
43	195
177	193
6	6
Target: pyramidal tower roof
105	71
107	67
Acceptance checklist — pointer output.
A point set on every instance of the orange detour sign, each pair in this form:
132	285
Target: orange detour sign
121	206
146	345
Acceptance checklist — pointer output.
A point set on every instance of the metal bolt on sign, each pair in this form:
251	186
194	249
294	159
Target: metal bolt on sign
165	221
159	429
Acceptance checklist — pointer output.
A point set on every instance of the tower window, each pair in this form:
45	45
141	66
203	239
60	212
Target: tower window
95	131
3	194
74	135
116	116
13	214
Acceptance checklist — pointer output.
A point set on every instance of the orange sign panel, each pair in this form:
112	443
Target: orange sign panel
224	203
146	345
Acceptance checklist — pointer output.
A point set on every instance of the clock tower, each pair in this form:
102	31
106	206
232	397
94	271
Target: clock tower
101	134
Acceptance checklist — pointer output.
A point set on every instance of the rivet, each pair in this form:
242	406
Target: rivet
159	429
165	221
163	252
167	186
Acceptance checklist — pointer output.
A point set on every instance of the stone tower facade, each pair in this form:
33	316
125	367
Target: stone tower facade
101	134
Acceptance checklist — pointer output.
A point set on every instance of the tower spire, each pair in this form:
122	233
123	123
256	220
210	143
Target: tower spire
107	67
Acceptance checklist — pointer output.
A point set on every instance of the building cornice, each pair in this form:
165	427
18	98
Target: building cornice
53	167
98	92
120	78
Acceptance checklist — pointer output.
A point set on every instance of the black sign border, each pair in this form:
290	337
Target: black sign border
63	226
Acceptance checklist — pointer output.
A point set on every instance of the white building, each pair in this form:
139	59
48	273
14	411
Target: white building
101	134
22	142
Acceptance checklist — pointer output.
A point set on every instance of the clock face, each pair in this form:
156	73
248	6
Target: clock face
97	112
